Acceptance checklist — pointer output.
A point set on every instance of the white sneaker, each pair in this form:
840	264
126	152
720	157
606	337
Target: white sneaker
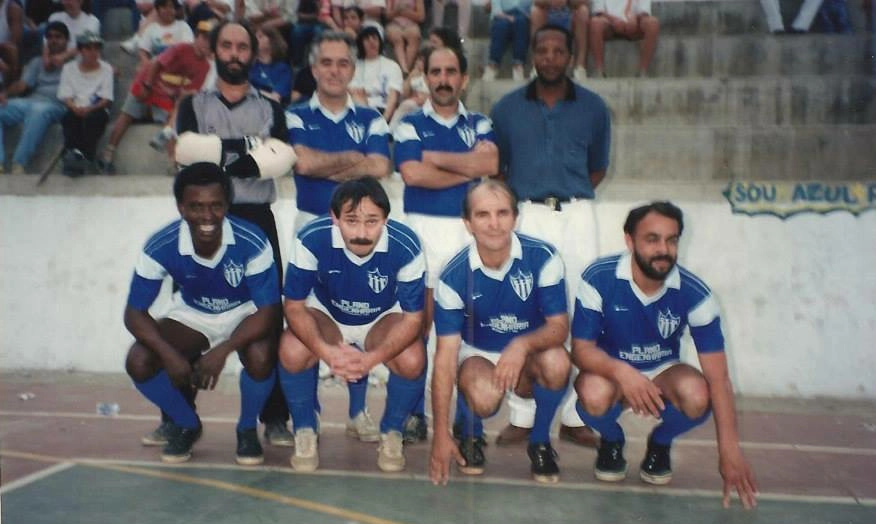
362	427
579	74
18	169
306	456
390	455
130	45
489	73
517	73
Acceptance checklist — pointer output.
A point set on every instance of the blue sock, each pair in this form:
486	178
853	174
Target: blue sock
163	394
675	422
606	425
472	425
401	395
253	395
358	390
460	410
546	403
300	391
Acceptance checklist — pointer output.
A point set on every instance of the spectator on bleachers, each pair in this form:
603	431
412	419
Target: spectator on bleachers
270	73
378	80
314	17
574	15
415	91
509	23
86	88
373	10
833	17
352	17
403	30
463	15
165	32
628	19
200	10
801	24
32	101
11	33
179	71
304	86
77	21
99	8
277	14
444	37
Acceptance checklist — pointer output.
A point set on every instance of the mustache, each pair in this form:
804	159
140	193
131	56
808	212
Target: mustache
360	242
444	88
665	258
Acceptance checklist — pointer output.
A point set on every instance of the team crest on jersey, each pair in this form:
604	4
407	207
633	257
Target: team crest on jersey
356	131
467	134
522	284
233	273
667	323
376	281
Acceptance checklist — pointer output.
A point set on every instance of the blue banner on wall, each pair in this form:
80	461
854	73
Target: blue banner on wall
784	199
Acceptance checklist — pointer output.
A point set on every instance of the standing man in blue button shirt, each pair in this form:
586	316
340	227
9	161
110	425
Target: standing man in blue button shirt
554	138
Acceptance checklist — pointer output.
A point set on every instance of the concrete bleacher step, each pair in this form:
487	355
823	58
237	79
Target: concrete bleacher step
756	101
719	55
708	153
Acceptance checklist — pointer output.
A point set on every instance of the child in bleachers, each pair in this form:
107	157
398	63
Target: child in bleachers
629	19
270	73
403	30
415	92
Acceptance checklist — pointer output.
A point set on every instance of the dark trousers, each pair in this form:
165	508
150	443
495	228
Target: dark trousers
275	409
83	133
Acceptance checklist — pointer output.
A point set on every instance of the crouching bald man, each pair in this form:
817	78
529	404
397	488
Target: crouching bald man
501	320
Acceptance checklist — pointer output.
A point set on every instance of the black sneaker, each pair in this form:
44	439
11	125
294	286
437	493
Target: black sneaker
544	465
73	163
415	429
159	435
179	444
472	450
610	463
656	467
249	450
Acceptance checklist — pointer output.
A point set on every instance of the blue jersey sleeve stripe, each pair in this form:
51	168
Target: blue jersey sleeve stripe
148	268
588	297
600	266
694	282
169	234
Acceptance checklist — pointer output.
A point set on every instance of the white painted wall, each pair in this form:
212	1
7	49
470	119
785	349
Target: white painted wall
798	296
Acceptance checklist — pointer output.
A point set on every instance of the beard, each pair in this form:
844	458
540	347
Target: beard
649	270
233	77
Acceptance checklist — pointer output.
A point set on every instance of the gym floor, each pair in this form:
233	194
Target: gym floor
62	462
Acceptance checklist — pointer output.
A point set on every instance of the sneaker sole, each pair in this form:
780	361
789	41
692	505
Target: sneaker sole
391	467
471	470
303	467
656	480
352	433
610	476
283	443
150	441
249	461
546	479
175	459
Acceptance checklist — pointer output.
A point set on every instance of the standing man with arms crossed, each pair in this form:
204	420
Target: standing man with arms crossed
501	319
554	137
439	151
630	313
234	126
227	302
336	140
354	298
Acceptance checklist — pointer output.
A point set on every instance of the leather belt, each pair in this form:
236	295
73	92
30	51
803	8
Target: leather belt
554	203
